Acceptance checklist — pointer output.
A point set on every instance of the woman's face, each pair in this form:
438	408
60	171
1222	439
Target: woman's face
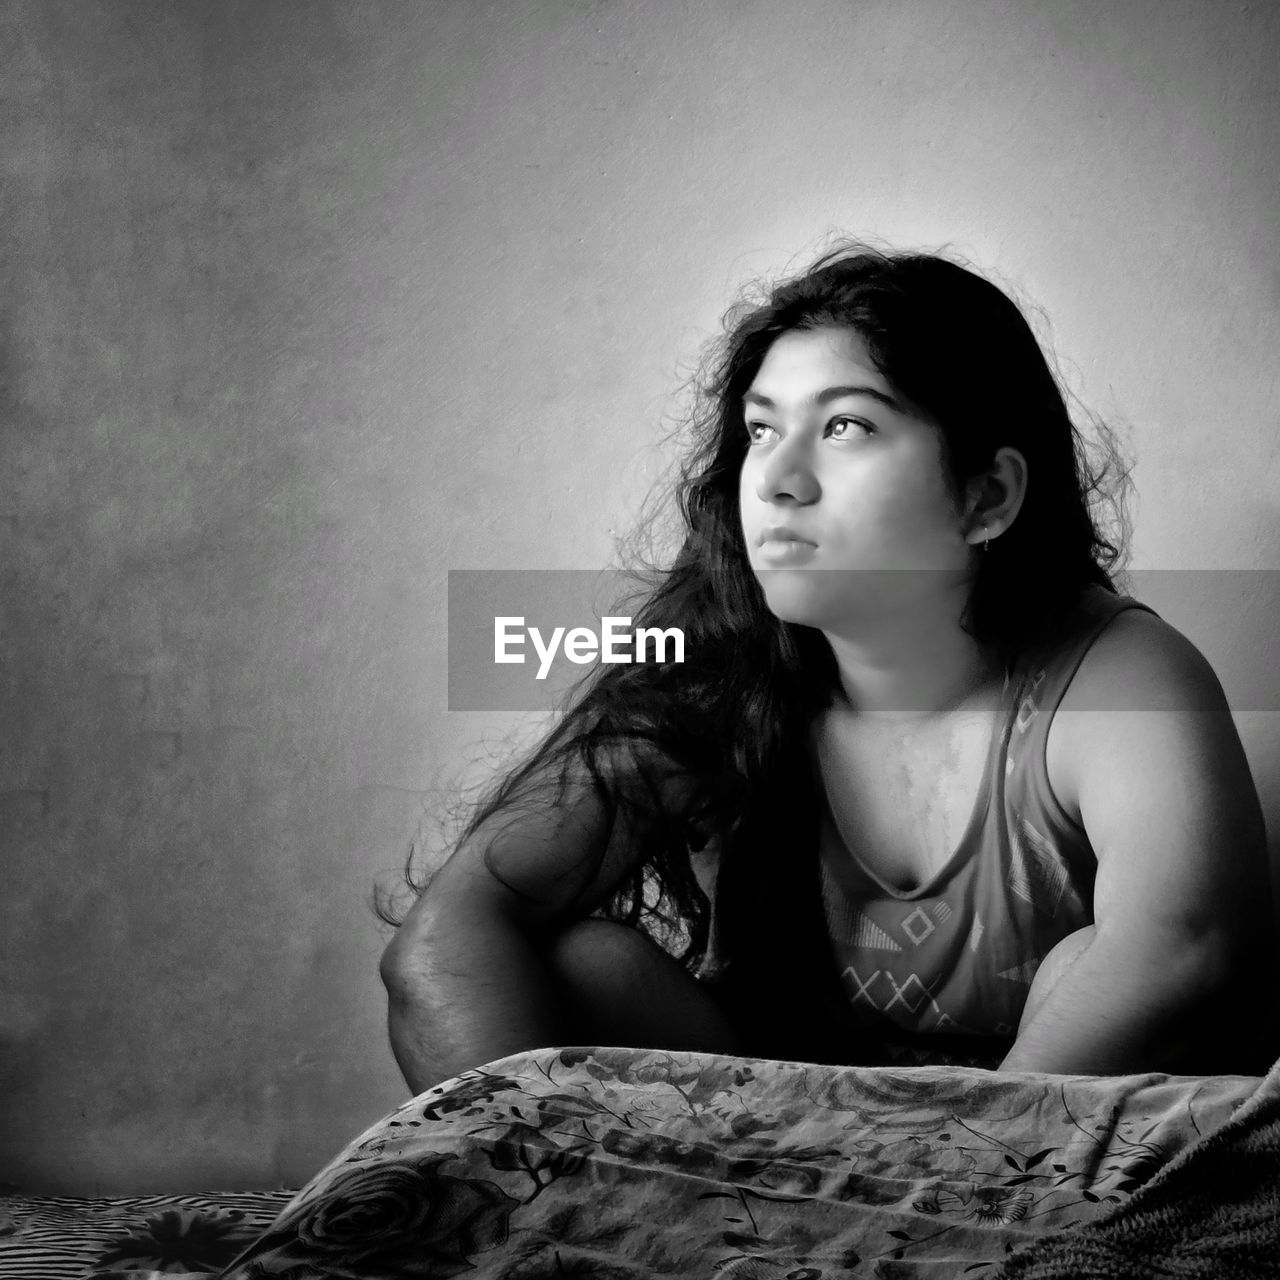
845	505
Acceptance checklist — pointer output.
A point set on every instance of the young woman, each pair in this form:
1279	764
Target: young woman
925	787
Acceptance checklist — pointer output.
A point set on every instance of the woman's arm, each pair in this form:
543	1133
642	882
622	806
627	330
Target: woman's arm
464	985
465	978
1177	973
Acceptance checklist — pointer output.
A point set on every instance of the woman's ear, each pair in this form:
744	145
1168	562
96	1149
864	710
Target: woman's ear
994	498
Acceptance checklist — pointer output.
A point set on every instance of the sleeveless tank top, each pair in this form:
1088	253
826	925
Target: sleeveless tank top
956	956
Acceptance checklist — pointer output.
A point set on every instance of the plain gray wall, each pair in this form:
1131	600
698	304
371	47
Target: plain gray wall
307	303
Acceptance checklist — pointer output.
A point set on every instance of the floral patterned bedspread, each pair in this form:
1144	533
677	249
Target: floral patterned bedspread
618	1163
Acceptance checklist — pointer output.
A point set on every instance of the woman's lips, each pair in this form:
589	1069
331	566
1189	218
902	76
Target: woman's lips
787	550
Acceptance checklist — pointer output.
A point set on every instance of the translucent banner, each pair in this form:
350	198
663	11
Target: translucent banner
519	638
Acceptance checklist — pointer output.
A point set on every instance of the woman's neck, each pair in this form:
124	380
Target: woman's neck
923	672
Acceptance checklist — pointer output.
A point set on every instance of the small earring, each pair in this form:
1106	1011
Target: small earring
986	537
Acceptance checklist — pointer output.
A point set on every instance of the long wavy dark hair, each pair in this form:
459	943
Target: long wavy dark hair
730	723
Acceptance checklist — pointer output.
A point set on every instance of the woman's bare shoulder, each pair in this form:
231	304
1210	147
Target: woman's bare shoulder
1140	662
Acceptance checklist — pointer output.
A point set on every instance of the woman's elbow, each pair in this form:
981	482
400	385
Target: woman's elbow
394	969
406	959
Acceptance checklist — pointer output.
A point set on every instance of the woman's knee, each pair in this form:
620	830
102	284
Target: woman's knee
599	951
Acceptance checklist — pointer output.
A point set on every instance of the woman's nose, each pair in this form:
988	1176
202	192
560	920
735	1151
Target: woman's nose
788	475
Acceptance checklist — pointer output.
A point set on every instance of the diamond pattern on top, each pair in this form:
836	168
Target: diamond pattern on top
917	926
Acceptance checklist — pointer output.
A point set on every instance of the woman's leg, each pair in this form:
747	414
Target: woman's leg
619	988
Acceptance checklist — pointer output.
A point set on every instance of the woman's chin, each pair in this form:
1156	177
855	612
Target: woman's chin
793	599
814	597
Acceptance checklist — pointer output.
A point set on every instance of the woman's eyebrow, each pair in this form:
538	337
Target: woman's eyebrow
826	395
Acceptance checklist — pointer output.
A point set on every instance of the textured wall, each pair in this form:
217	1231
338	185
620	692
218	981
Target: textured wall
307	303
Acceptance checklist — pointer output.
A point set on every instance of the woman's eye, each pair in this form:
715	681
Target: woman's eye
757	432
848	428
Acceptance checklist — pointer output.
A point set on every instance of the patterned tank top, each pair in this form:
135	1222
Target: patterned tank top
956	956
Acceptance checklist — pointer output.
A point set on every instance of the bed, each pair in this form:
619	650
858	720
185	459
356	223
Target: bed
619	1164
